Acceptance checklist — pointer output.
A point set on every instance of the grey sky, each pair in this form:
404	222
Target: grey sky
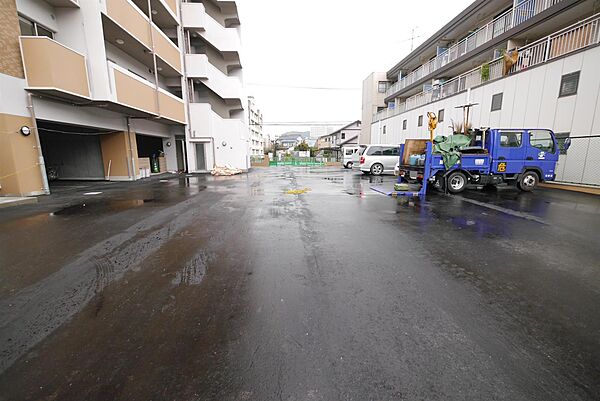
327	43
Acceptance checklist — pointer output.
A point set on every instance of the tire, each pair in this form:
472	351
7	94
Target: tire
457	182
349	165
528	181
377	169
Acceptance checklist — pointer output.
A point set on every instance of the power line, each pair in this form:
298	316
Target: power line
332	88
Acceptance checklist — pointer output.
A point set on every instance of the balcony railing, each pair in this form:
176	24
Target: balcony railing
52	66
573	38
495	28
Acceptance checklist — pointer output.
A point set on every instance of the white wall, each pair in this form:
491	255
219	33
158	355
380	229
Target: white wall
530	100
208	126
38	11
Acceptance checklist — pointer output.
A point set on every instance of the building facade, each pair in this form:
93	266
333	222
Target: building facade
548	78
374	89
255	122
347	135
105	90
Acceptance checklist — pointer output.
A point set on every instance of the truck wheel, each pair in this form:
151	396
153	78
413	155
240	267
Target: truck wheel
377	169
457	182
528	181
349	165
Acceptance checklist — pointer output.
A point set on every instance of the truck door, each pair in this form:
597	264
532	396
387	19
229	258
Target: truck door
509	152
542	152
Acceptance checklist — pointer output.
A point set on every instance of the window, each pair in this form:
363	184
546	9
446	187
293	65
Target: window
497	102
541	140
561	138
382	87
404	123
375	151
441	116
349	152
511	139
343	135
569	84
384	130
390	151
420	122
30	28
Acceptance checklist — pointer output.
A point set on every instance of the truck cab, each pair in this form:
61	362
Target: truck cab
520	157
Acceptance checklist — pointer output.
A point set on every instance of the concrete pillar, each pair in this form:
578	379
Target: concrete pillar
20	173
119	156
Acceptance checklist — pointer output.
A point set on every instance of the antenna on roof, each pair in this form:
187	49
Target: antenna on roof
412	38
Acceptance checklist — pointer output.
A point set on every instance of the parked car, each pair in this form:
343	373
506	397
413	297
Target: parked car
379	159
348	153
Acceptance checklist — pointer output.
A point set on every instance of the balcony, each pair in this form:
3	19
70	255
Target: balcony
64	3
53	68
196	65
166	50
227	87
581	35
133	92
171	107
133	21
484	34
206	123
194	17
164	12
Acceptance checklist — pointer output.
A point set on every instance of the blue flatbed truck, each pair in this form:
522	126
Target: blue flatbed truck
520	157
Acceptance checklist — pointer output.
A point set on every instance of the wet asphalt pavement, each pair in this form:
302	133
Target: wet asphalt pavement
200	288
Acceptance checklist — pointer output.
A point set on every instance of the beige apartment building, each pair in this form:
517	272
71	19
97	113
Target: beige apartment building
374	89
550	79
98	90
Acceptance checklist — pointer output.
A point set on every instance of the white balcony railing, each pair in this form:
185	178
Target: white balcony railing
495	28
573	38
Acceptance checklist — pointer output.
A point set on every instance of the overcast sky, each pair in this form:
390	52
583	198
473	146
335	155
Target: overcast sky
330	44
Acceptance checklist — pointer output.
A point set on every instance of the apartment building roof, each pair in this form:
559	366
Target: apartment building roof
471	17
357	122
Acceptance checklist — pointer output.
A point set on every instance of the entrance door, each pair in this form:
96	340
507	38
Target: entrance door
180	152
200	157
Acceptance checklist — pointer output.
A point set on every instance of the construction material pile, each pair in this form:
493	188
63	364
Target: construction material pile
227	170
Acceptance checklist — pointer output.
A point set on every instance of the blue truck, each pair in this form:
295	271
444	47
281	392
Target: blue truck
520	157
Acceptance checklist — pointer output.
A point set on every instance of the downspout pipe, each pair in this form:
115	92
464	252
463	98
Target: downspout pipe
38	144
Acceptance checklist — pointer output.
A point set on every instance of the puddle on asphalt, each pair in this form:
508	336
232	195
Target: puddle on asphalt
95	207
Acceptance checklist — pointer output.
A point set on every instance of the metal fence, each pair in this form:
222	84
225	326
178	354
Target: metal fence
573	38
495	28
580	164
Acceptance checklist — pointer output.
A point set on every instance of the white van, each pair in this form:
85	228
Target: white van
349	156
379	159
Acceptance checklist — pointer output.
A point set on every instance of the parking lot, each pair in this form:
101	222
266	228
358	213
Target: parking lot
297	283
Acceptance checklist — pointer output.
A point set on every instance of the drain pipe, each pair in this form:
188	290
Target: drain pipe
130	166
38	144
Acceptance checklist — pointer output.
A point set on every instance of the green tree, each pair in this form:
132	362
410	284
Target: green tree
302	147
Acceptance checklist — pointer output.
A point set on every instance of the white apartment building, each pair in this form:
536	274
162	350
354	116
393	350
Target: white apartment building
554	82
255	122
97	89
374	89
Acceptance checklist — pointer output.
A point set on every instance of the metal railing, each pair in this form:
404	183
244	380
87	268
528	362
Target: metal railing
575	37
495	28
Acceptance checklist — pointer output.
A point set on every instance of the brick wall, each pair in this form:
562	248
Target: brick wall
10	62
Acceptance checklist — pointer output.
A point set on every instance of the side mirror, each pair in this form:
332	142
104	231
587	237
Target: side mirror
567	144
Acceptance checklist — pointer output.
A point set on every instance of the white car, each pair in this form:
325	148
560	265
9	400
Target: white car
379	159
348	153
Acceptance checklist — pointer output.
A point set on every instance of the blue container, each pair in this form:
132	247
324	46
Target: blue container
413	160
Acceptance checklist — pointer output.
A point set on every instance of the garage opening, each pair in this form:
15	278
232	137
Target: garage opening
71	152
151	153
